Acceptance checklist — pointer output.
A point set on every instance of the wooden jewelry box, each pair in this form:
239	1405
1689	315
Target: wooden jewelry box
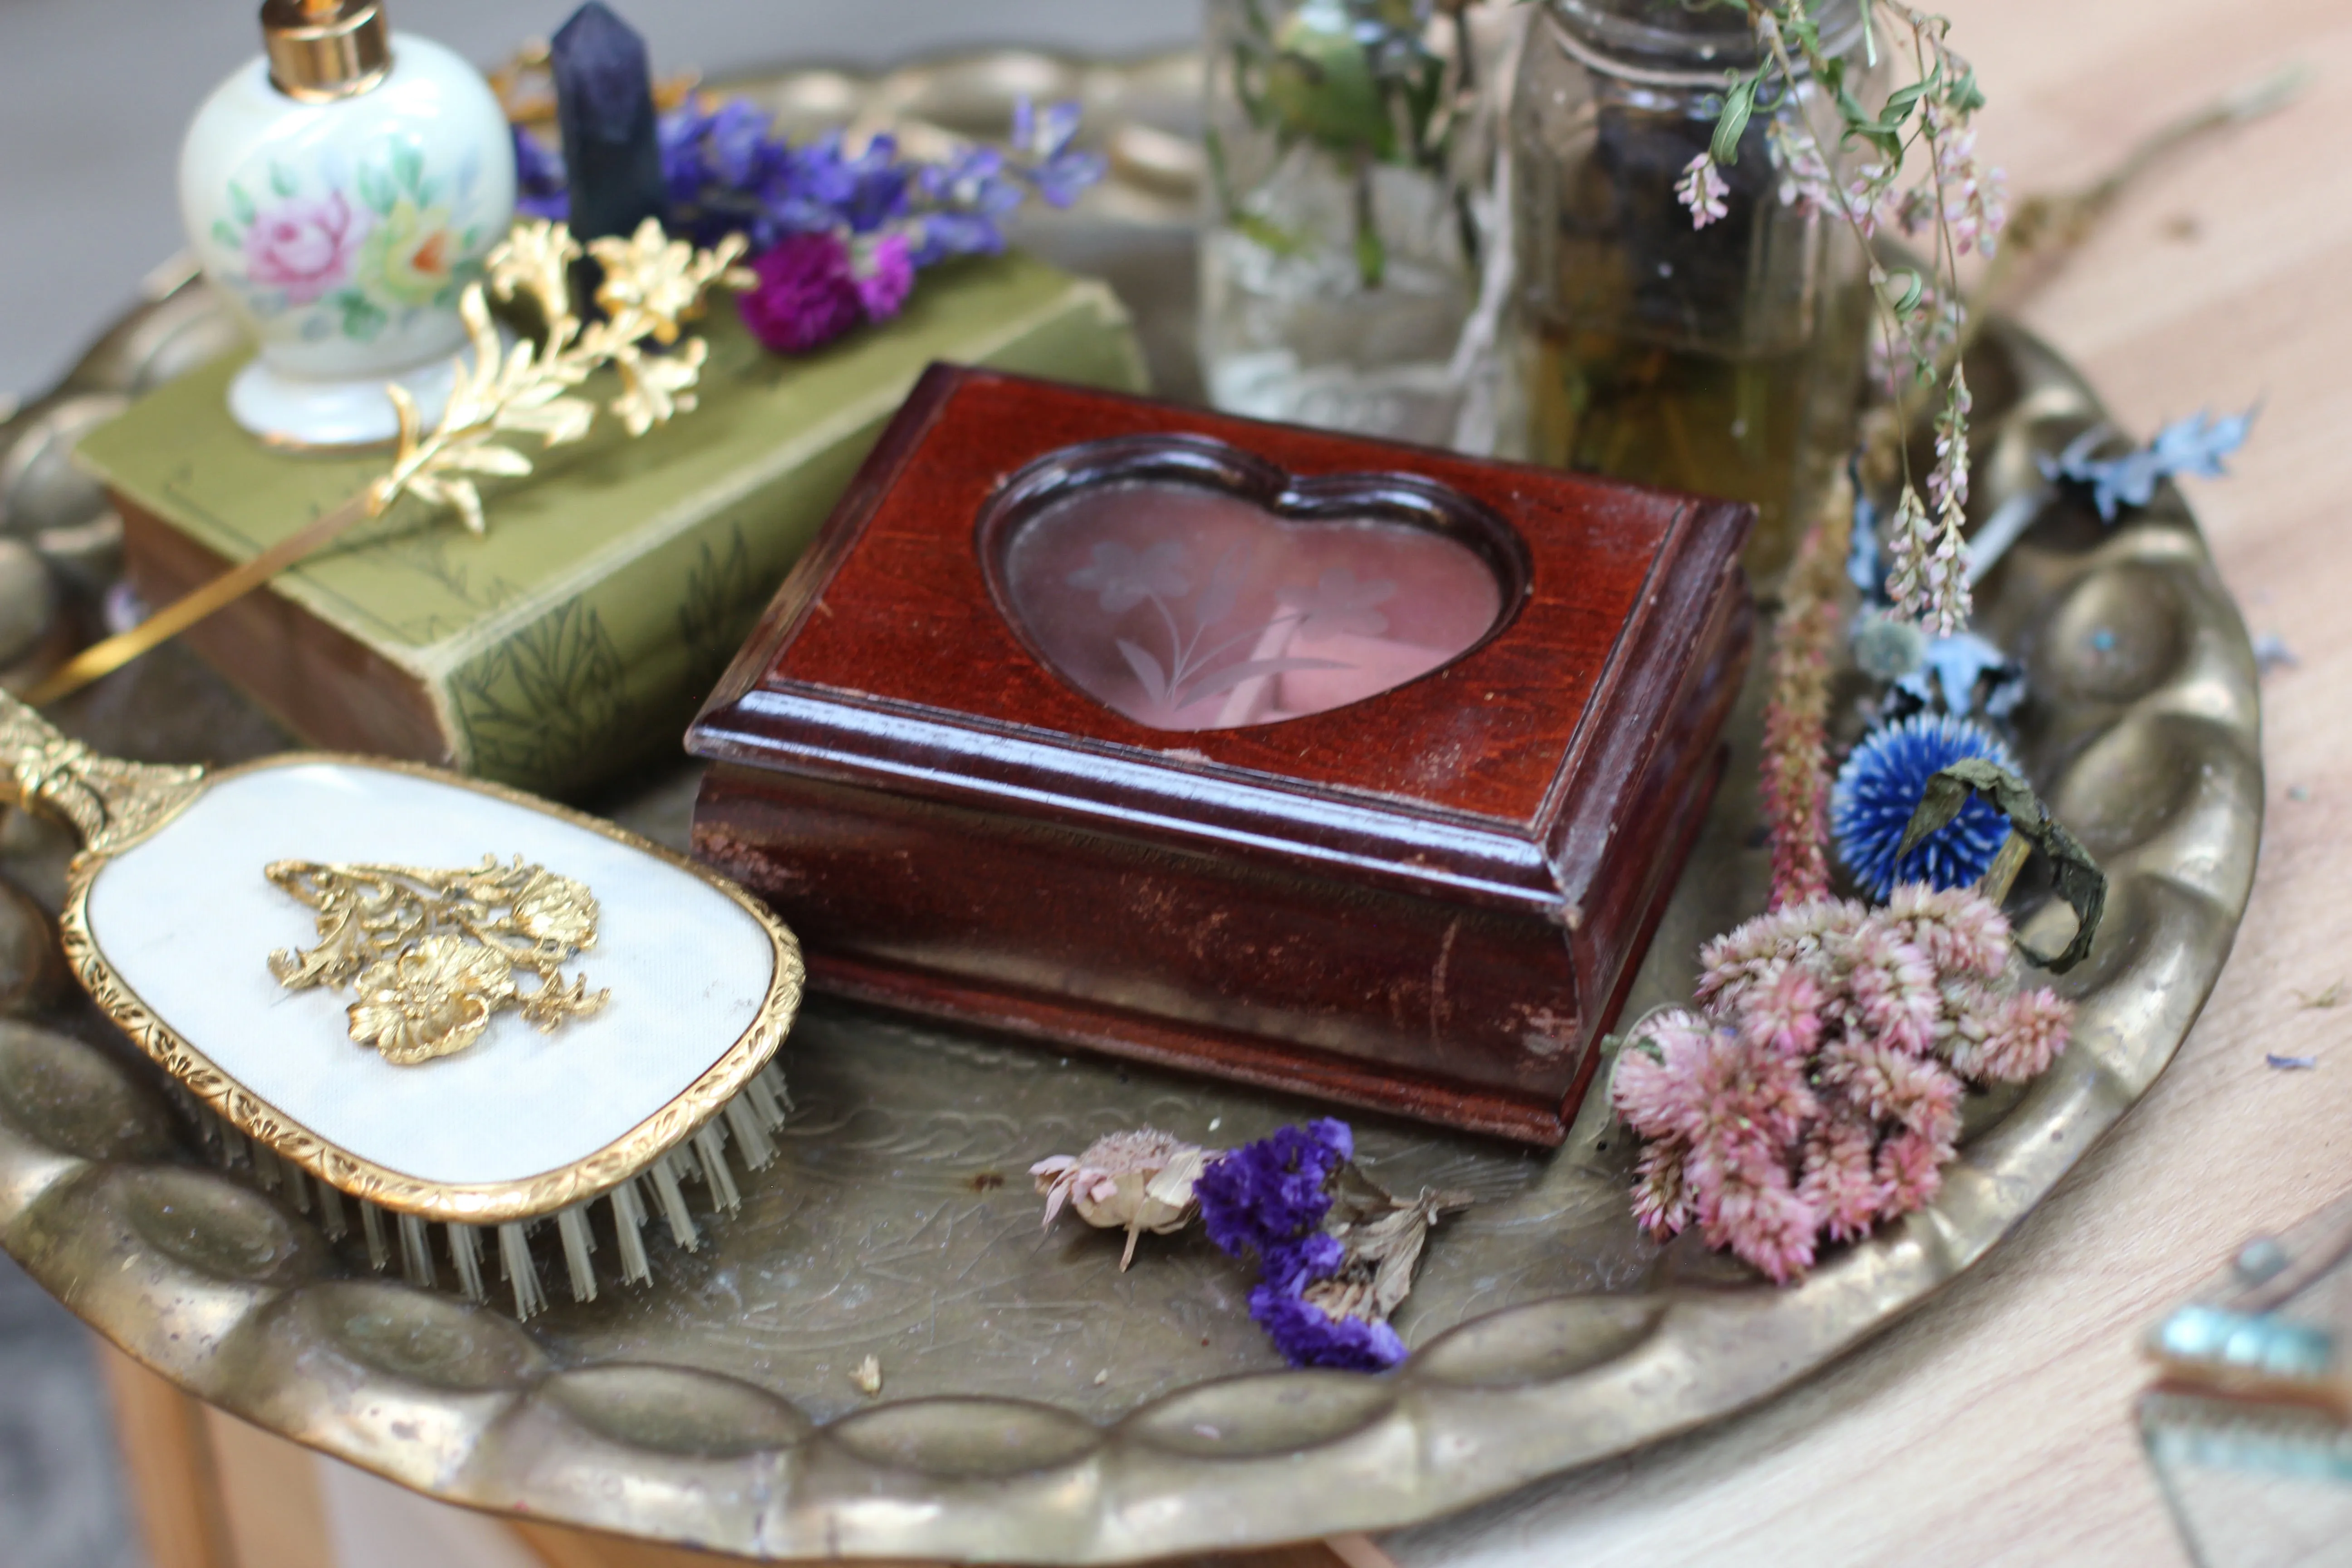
1331	765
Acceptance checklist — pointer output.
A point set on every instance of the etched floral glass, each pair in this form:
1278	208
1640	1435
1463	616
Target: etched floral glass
1339	257
1190	609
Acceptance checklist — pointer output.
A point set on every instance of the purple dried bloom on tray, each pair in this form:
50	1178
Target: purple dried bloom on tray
1307	1335
1881	785
1255	1198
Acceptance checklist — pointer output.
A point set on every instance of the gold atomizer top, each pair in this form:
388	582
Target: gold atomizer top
321	49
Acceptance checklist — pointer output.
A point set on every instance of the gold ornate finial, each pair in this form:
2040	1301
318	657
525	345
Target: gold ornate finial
435	953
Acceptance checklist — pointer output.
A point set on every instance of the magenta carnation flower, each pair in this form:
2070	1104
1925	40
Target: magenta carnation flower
806	295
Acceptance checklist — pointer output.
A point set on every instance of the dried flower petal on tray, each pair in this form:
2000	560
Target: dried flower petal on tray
1134	1181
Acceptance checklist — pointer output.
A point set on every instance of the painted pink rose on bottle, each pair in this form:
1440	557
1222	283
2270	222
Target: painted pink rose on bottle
305	247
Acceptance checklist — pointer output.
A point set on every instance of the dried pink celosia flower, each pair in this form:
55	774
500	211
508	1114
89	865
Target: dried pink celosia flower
1795	781
1764	946
1817	1091
1960	932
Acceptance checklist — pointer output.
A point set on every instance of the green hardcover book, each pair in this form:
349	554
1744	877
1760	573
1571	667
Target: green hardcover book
579	636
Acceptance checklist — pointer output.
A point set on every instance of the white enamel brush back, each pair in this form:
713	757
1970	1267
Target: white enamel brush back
188	921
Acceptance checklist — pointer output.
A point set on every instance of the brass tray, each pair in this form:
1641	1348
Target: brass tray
1038	1406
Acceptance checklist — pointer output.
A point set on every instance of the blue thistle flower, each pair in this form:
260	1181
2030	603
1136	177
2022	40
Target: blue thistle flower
1880	786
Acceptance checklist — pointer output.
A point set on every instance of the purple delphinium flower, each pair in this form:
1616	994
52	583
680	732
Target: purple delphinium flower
1058	171
806	294
1264	1197
885	276
717	160
539	179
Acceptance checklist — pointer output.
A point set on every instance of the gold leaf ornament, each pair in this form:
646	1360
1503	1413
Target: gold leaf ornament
651	284
438	953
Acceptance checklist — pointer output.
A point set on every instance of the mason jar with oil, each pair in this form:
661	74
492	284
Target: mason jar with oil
1723	359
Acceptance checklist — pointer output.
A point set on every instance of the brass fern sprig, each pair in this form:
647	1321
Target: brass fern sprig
651	284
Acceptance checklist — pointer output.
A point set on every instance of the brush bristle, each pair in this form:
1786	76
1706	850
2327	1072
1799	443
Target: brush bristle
466	1253
522	1274
415	1252
748	1122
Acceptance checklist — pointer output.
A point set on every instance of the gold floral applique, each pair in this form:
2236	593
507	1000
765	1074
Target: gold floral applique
435	954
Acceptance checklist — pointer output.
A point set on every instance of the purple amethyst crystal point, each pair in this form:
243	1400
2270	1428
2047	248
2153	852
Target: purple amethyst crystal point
605	103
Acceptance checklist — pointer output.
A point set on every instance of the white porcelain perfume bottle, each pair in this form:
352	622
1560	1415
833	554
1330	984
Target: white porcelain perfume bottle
343	190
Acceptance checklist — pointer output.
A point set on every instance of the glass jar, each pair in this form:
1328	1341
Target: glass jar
1722	360
1338	254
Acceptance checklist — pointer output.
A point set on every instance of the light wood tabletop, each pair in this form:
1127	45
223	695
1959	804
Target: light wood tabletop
1994	1425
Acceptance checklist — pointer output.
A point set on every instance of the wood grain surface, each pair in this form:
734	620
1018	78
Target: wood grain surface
1994	1427
1431	901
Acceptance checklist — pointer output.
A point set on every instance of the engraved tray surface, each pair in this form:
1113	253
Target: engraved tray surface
1038	1406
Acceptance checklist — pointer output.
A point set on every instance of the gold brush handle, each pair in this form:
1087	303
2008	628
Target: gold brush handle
108	801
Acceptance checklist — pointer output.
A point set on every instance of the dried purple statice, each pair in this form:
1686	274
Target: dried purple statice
1136	1181
1335	1252
1268	1195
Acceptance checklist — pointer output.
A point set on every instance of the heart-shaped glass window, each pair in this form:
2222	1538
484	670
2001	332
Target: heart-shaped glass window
1191	586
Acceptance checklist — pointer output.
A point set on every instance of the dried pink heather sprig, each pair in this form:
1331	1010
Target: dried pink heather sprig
1816	1092
1701	189
1795	774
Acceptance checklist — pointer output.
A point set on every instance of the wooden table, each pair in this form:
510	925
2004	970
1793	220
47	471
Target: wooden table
1993	1426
